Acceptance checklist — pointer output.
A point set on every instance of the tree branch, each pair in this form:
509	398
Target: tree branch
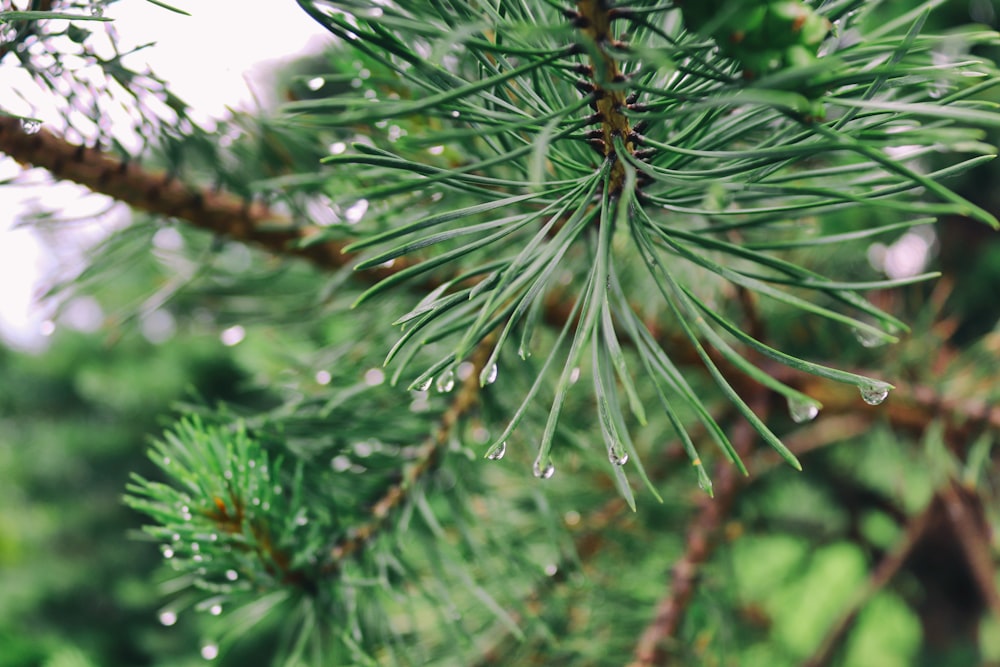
232	217
466	398
160	193
703	530
887	568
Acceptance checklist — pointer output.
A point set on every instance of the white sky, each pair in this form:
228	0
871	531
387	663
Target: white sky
208	58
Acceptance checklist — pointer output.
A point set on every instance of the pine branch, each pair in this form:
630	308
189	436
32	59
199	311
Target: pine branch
162	194
466	398
232	217
652	647
951	505
883	573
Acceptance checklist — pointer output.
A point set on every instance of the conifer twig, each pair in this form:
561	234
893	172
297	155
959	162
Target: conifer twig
952	505
703	529
466	398
230	216
886	569
160	193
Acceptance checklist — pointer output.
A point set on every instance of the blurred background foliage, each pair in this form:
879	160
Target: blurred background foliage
208	327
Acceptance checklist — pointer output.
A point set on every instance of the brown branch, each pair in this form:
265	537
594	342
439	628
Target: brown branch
704	528
427	459
964	509
594	19
956	511
910	407
887	568
159	193
230	216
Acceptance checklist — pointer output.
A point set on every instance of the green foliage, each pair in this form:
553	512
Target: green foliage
698	178
69	569
593	238
764	36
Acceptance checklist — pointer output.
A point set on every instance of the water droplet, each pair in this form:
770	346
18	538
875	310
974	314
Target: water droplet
97	8
356	211
499	453
301	520
491	376
166	460
705	484
215	609
168	552
232	575
30	125
551	569
456	114
374	377
868	339
210	651
544	473
168	618
619	458
195	546
446	381
802	411
232	335
874	394
425	385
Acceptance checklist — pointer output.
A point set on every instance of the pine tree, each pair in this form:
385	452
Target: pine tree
509	254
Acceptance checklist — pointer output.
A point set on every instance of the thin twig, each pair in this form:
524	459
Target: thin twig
883	573
954	506
230	216
428	457
653	647
158	192
964	509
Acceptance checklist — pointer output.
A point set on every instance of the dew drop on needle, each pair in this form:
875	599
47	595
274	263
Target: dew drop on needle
544	472
874	394
802	411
